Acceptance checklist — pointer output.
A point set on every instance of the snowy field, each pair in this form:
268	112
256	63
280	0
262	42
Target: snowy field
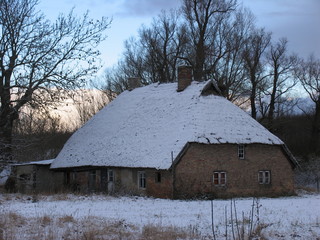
70	216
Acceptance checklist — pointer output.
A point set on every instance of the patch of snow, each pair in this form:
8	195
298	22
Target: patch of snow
282	218
4	175
141	128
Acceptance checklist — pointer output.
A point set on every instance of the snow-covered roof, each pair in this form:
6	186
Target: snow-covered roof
142	127
42	162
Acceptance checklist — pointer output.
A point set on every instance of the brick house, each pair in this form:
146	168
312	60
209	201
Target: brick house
176	142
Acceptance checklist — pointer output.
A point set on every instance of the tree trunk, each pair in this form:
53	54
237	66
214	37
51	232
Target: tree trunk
253	96
253	104
6	125
272	102
315	137
200	59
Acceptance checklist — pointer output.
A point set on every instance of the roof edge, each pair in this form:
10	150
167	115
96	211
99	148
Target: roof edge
180	154
294	162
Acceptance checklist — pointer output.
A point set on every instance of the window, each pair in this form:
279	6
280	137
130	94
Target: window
219	178
142	180
93	174
92	180
110	175
24	177
264	177
66	178
158	177
241	151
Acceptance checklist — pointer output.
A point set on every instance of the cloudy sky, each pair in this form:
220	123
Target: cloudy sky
298	20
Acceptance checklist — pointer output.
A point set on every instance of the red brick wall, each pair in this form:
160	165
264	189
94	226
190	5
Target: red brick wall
184	77
161	189
194	171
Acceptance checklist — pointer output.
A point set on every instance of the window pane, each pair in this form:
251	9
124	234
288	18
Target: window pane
264	177
223	178
143	183
267	177
219	178
110	176
141	179
241	151
216	178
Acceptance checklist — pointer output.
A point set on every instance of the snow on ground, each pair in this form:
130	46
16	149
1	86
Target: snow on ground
283	218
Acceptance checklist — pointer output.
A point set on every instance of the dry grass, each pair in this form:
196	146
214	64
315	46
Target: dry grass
67	219
45	220
153	232
14	226
9	223
70	227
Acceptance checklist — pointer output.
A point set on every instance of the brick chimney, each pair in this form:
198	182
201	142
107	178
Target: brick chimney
134	82
184	77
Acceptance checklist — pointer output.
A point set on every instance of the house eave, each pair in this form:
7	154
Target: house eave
93	167
179	156
293	161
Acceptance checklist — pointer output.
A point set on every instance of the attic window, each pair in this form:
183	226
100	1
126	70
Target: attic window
219	178
241	151
264	177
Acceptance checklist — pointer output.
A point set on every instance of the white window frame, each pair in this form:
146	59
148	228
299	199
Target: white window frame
218	175
110	175
142	181
264	177
241	151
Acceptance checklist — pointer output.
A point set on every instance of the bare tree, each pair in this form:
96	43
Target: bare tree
113	82
229	71
133	61
88	103
165	42
308	73
255	47
203	20
281	76
35	121
152	56
36	54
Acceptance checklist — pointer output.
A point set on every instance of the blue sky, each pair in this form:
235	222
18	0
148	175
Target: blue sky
295	19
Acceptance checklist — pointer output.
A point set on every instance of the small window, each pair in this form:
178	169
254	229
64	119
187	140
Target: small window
92	180
264	177
142	180
241	151
110	175
219	178
93	174
67	178
25	177
73	176
158	177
